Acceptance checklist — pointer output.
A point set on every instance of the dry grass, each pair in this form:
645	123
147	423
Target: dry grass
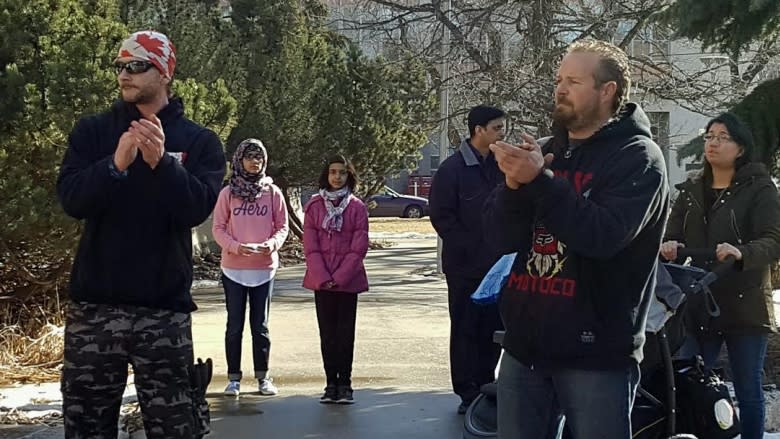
400	225
20	417
31	340
30	359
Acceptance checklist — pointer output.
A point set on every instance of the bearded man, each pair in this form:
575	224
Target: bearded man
586	216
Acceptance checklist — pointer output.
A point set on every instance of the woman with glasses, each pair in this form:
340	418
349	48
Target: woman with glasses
732	206
250	224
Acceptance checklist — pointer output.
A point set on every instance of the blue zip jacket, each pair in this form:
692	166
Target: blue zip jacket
458	193
587	232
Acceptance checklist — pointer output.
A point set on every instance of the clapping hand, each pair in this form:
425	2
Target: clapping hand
521	163
150	139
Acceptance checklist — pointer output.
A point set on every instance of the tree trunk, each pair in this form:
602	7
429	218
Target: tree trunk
296	224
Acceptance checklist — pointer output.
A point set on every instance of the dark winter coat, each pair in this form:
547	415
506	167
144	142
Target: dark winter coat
460	187
747	216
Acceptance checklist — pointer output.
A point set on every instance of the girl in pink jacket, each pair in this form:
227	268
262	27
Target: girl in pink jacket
250	224
335	242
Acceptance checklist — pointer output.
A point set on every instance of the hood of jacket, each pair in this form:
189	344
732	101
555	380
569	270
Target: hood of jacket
752	171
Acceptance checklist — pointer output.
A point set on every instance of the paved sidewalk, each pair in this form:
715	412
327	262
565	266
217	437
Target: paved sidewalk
401	373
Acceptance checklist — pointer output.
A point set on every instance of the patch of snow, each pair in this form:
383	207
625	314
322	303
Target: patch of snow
29	395
400	235
37	400
205	283
776	301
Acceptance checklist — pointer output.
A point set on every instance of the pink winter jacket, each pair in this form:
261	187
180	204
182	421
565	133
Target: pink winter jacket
237	222
336	256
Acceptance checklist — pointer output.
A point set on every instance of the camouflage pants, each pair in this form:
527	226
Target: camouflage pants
100	341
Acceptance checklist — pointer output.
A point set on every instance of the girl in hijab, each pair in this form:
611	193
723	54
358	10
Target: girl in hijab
250	224
335	242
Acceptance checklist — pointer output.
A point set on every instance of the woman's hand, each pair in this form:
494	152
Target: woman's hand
669	250
724	250
330	284
245	250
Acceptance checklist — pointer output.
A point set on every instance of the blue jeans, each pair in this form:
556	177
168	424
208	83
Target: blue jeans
746	358
259	303
597	403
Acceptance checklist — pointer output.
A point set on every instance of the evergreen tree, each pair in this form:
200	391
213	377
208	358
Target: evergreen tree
729	25
376	113
55	66
760	112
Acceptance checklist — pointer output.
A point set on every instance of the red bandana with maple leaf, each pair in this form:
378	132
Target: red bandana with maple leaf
151	46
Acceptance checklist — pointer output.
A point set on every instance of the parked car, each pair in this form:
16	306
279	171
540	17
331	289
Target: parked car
390	203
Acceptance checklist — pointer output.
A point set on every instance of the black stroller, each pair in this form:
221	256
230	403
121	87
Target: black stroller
656	405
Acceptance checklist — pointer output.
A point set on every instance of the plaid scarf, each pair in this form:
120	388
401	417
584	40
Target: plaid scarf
335	217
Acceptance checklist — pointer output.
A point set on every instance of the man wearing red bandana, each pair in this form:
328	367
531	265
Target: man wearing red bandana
140	175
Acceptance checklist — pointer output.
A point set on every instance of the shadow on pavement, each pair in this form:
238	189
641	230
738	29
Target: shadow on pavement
377	414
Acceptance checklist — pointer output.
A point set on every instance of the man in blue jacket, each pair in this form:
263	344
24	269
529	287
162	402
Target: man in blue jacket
586	216
140	176
460	187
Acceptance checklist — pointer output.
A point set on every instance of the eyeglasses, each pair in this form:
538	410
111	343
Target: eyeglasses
722	138
133	67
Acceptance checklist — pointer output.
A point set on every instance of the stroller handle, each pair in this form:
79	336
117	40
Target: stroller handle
718	271
704	253
702	284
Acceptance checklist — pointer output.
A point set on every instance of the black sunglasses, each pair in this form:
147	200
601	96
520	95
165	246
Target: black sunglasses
133	67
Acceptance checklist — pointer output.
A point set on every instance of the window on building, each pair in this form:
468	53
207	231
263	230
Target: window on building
659	128
652	41
434	162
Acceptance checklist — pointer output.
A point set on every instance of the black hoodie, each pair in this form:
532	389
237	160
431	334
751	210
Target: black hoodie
136	247
587	232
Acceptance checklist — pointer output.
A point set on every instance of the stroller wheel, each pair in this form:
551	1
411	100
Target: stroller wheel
480	419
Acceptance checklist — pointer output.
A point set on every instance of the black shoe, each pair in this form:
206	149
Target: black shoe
464	405
330	396
344	395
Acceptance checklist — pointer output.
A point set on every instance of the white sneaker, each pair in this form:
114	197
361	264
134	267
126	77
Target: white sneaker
266	387
233	388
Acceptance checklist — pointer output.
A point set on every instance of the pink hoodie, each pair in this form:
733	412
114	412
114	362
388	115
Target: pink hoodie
335	256
237	222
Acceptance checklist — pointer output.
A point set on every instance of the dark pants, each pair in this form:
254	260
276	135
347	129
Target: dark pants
746	358
259	303
473	354
100	341
336	313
